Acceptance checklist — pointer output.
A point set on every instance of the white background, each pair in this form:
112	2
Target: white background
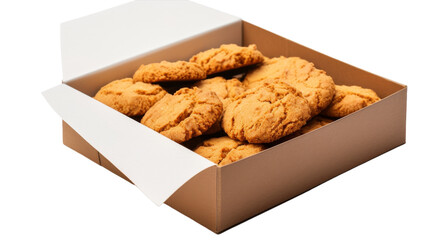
48	191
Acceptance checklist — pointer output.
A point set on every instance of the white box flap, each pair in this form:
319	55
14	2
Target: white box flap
154	163
133	29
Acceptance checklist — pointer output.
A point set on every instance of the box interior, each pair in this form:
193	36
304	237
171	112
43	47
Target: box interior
221	197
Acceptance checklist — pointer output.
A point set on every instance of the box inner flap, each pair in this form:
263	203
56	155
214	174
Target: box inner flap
154	163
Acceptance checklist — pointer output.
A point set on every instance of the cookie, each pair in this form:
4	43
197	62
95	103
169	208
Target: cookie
224	150
128	97
186	114
349	99
225	90
169	71
313	124
316	86
266	113
227	57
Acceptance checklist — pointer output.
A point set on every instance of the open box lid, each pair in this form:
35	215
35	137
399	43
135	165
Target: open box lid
127	31
154	163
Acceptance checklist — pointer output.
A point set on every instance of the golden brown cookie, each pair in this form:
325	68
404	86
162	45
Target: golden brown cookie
227	57
225	90
349	99
224	150
242	151
314	123
186	114
266	113
130	98
169	71
316	86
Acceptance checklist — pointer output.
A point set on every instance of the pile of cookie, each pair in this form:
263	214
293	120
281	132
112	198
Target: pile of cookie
238	102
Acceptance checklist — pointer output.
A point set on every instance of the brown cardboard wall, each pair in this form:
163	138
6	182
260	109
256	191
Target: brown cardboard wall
264	180
74	141
197	198
286	170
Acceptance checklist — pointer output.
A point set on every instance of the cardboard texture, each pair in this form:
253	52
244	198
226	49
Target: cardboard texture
221	197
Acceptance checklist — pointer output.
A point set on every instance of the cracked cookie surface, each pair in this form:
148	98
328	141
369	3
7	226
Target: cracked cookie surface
186	114
349	99
227	57
129	98
316	86
224	150
265	113
225	90
169	71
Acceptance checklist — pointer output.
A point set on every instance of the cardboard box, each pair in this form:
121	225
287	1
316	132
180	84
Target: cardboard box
216	197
